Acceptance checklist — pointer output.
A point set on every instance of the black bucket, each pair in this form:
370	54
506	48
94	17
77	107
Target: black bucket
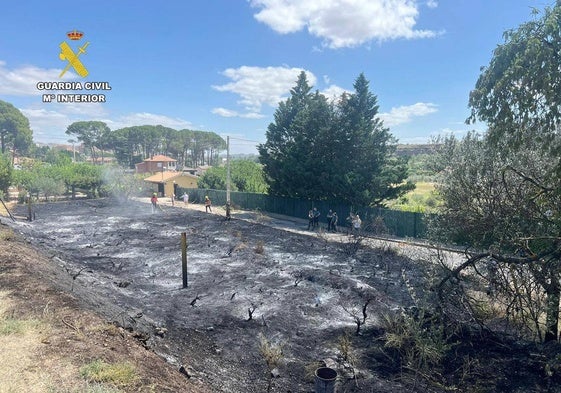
325	380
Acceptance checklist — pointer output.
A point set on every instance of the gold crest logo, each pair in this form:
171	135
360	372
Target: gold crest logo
67	54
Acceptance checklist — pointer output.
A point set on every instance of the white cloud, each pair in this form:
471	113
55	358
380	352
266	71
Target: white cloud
223	112
432	3
49	122
334	92
82	109
145	118
45	123
405	114
23	81
344	23
258	86
49	125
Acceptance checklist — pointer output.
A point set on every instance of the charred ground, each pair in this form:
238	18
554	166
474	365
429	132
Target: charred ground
252	278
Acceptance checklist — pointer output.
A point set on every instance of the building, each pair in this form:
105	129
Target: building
155	164
166	183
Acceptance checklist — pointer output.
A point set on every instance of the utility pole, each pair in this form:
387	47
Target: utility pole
227	169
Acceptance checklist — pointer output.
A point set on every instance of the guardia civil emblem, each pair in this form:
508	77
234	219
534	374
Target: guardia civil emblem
67	54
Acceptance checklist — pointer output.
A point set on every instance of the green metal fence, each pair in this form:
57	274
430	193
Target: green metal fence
378	220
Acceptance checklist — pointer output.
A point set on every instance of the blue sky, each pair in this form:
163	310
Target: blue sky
223	65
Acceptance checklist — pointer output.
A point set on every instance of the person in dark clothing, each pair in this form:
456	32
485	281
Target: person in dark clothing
329	217
334	220
316	217
310	219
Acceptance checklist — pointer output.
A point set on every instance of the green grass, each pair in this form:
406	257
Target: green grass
16	326
423	199
119	374
423	188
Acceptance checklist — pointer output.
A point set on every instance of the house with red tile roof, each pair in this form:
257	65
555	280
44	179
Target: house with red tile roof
158	163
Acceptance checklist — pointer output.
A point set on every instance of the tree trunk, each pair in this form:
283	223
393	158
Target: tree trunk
552	312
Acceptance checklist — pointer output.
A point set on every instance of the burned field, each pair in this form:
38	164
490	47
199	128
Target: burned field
255	285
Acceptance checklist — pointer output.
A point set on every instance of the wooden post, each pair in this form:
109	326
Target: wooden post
29	211
184	258
6	207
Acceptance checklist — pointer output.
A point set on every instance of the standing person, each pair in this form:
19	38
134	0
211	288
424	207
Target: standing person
334	220
185	197
329	217
208	204
357	222
350	219
316	217
310	219
173	199
154	201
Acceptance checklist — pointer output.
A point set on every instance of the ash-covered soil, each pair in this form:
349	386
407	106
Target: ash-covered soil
250	277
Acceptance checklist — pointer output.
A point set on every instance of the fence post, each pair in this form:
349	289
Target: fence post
184	258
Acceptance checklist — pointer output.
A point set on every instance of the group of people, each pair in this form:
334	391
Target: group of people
354	221
154	201
313	219
185	197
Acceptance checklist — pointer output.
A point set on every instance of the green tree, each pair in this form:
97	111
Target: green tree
14	129
93	134
48	186
134	144
5	173
520	90
83	176
215	179
205	148
507	199
245	176
58	157
369	169
279	154
511	217
318	150
126	144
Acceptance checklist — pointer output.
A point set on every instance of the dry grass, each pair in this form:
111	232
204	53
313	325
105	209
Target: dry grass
310	370
19	340
262	218
7	235
259	248
272	353
239	247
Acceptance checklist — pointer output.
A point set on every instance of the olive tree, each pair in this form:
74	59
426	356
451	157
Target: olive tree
502	191
508	219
